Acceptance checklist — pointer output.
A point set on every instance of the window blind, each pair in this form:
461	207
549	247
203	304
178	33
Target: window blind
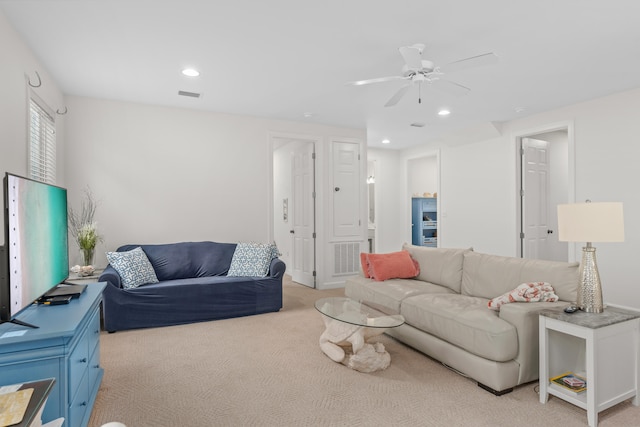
42	144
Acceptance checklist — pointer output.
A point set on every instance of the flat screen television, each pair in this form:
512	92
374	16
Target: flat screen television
35	255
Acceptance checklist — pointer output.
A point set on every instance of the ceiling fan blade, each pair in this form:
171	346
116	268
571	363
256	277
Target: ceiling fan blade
398	96
451	87
412	57
378	80
474	61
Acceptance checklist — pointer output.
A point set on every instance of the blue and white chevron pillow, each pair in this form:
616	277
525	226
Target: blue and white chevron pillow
252	259
133	267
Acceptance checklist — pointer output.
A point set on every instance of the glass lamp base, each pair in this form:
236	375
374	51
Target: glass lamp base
589	297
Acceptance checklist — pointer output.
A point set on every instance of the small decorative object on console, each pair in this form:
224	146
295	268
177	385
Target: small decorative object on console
84	271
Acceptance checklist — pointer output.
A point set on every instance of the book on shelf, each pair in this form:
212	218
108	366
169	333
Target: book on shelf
570	381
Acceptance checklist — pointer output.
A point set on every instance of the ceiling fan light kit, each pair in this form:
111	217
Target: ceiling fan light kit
417	70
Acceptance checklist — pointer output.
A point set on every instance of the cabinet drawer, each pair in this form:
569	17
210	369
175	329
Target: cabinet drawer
93	331
94	367
80	403
78	362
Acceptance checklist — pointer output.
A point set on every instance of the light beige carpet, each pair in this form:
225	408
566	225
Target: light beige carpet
268	370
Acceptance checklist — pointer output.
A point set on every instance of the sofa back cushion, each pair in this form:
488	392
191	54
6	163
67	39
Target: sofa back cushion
442	266
489	276
188	259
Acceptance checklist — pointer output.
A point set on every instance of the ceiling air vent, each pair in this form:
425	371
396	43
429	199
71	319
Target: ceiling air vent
417	125
191	94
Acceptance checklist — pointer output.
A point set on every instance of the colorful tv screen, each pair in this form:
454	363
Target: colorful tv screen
36	241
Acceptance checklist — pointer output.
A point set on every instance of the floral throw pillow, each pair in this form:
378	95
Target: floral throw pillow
252	259
526	292
133	267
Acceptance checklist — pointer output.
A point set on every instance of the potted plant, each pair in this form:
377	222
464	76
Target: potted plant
84	230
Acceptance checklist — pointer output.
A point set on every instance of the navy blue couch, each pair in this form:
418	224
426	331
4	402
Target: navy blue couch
193	287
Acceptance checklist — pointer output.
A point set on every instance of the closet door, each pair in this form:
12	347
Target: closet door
346	189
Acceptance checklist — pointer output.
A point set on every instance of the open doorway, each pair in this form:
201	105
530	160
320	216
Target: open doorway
423	183
294	206
545	171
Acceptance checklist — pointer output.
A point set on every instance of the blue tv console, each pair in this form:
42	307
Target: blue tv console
65	346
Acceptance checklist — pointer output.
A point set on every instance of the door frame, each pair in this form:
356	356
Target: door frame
277	139
571	172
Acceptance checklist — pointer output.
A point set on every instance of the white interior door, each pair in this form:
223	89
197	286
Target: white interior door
535	205
346	190
303	215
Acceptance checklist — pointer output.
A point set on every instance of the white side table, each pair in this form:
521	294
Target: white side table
603	347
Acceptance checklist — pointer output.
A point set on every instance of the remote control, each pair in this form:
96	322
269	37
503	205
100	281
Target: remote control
571	309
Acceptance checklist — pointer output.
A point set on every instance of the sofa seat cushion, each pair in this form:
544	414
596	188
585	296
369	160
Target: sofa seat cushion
390	293
463	321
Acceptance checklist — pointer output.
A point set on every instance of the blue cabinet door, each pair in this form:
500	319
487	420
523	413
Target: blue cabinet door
424	221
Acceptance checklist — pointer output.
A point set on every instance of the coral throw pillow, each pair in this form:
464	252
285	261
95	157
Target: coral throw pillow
364	262
394	265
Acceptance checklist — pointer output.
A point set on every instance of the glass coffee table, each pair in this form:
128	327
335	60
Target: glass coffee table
349	324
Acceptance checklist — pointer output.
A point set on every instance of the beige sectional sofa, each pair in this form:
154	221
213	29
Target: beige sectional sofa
447	316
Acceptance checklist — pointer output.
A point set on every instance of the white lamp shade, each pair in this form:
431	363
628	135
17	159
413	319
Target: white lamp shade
591	222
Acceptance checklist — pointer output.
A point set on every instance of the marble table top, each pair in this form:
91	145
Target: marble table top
610	316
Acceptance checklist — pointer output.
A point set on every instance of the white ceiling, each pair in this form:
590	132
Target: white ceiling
283	58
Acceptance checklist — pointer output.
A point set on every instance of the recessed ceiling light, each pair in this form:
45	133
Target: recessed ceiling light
307	115
519	109
386	141
444	112
191	72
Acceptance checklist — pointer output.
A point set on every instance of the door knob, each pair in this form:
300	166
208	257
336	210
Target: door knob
337	189
549	231
291	231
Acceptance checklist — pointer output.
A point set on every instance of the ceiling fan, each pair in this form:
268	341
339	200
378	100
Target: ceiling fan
417	71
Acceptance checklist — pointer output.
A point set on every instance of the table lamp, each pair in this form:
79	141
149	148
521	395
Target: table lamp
590	222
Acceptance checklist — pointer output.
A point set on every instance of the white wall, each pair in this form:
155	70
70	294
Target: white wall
18	64
475	197
168	174
478	186
423	175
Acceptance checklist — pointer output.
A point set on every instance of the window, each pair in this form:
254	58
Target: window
42	143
